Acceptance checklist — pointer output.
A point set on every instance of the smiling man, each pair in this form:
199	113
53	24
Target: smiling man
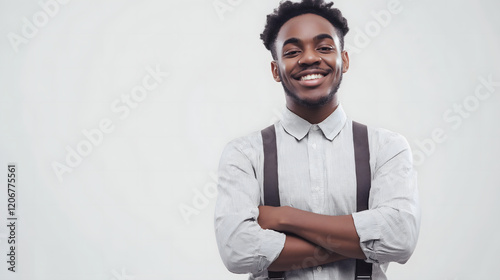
343	196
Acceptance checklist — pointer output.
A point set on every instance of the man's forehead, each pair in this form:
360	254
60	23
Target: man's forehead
306	26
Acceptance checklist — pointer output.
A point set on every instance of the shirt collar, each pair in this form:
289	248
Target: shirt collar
298	127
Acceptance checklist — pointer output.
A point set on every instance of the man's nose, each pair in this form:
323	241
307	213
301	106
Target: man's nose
309	57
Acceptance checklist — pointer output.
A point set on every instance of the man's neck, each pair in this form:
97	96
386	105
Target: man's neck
313	115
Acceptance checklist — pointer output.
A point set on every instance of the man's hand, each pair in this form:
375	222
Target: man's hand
271	217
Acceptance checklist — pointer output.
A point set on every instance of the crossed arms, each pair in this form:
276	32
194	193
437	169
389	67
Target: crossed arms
252	238
311	239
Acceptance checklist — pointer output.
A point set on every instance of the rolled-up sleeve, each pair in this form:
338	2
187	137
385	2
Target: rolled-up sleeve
388	231
243	245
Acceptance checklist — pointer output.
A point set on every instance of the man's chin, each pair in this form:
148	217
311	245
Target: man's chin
304	99
313	102
310	102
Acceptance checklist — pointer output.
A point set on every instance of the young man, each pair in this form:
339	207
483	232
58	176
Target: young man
317	232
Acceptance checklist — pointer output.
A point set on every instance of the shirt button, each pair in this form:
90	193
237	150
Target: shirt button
319	268
314	146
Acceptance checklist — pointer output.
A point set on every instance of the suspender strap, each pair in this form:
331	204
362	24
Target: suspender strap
271	190
363	181
362	159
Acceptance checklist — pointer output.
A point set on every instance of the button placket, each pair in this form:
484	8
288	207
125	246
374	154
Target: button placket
316	168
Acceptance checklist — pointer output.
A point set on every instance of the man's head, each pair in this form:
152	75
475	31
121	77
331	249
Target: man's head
306	41
288	10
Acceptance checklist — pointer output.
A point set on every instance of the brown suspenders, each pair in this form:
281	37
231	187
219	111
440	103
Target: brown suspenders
271	189
363	185
363	179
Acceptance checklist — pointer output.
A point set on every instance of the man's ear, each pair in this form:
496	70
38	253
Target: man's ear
275	70
345	61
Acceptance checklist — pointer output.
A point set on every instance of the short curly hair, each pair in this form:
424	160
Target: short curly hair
288	10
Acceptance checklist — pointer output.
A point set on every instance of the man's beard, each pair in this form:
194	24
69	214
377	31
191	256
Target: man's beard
312	104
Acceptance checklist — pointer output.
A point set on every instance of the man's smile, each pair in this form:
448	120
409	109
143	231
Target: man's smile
311	77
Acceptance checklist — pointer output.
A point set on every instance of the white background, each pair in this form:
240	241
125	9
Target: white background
117	214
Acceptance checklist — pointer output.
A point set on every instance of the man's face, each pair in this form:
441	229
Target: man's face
309	61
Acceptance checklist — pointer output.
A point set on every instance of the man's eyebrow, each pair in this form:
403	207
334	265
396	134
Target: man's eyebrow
323	36
294	40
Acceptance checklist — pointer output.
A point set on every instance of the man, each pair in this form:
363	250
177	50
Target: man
316	233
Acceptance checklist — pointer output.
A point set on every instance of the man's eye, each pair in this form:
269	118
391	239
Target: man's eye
326	49
291	53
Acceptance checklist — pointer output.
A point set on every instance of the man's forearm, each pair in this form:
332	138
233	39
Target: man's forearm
299	253
334	233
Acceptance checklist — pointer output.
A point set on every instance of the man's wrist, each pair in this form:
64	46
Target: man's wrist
285	219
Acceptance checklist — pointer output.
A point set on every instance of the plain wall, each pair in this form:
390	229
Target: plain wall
116	212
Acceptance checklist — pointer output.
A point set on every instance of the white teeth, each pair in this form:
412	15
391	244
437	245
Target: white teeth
311	77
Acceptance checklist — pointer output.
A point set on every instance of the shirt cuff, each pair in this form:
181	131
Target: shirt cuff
272	244
368	229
